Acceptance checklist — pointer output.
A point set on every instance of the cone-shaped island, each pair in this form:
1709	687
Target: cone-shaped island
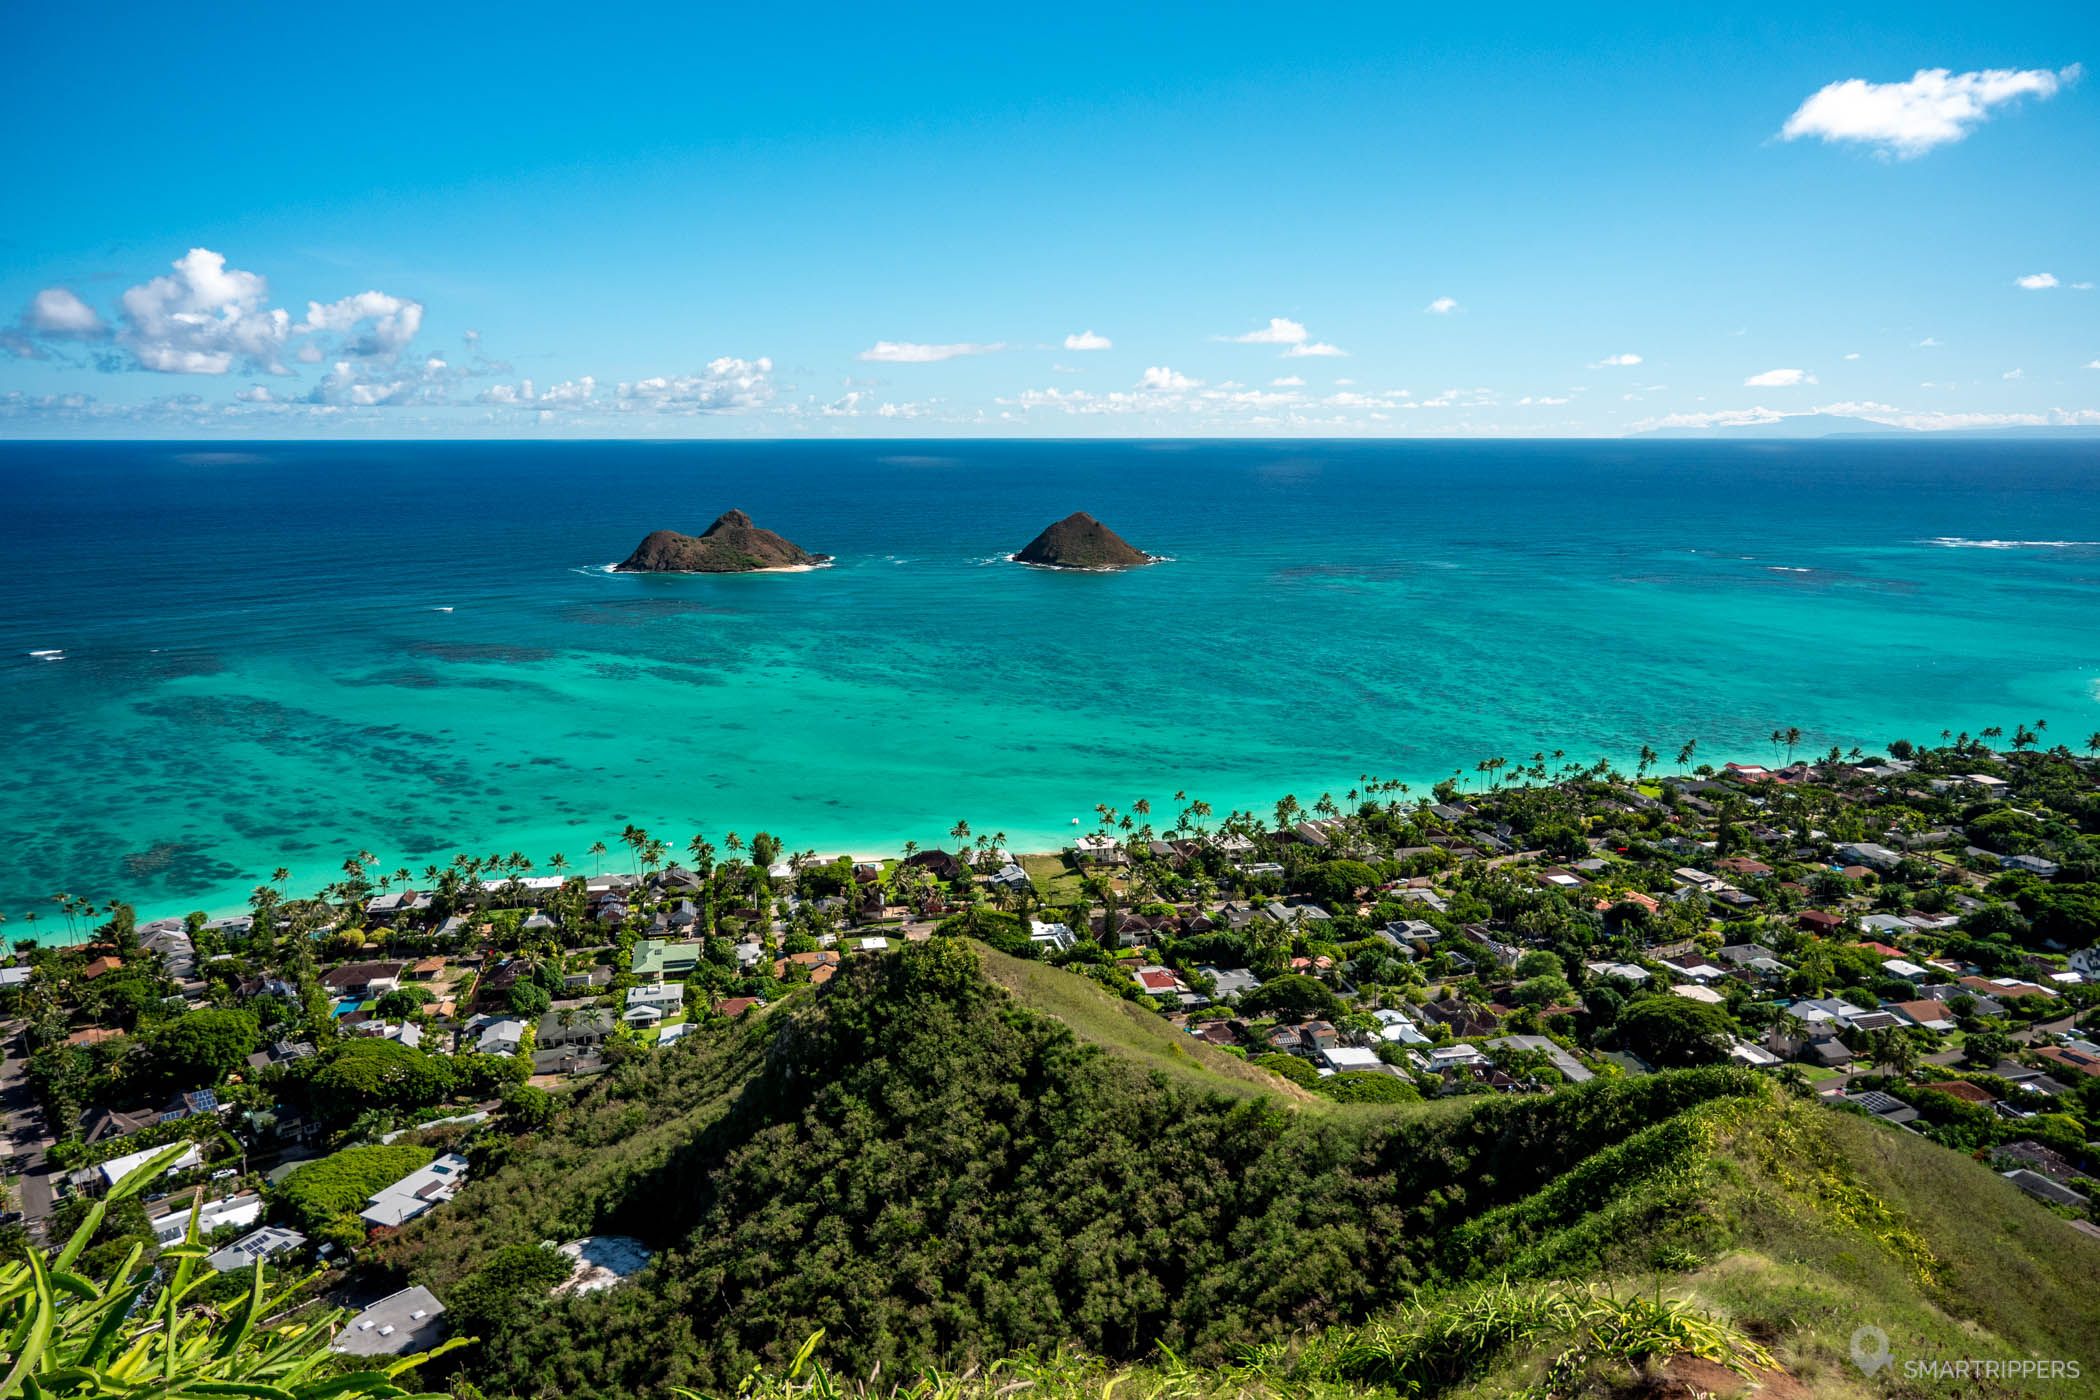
1081	542
732	545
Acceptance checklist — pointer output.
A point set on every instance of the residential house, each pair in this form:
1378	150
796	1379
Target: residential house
499	1037
1099	848
1571	1069
266	1243
572	1026
2073	1057
279	1052
417	1192
404	1322
365	979
173	1223
1926	1014
2044	1190
657	958
1158	981
1056	937
666	997
1230	981
109	1173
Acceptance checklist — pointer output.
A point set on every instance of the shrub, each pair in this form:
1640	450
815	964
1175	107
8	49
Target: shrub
322	1194
1365	1086
1288	1067
1293	992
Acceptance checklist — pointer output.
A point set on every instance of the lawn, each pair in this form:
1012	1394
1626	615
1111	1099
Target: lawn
1054	878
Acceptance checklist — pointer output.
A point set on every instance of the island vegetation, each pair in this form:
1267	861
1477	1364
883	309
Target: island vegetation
1081	542
732	545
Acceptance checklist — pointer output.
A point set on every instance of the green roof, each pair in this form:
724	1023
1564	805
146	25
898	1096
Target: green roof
656	957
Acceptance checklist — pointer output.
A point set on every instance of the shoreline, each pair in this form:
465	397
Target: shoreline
861	850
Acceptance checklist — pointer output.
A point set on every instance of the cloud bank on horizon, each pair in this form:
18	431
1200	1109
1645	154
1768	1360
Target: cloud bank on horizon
1811	241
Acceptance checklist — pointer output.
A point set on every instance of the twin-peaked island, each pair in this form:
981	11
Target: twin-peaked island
734	545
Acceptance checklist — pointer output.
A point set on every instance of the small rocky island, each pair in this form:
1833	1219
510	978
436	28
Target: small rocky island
732	545
1081	542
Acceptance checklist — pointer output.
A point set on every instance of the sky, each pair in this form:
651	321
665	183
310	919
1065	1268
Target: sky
714	221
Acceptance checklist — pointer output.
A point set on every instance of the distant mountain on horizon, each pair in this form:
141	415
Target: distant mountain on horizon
1823	425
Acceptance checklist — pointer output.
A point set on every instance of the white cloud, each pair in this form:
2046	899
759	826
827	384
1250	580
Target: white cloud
1288	381
1852	354
2081	286
1318	349
729	385
1616	362
346	385
1909	118
1779	379
1442	306
1542	401
1087	340
1161	379
1930	342
57	313
905	352
1280	331
2092	364
2037	281
1886	414
2014	374
386	323
203	319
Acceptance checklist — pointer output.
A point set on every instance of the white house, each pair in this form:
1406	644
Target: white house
501	1037
1339	1057
665	997
1057	937
117	1168
418	1191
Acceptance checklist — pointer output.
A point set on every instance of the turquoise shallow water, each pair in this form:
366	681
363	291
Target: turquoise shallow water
256	669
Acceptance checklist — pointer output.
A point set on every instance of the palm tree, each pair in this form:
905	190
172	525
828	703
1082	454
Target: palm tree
557	863
2092	743
596	851
1644	763
961	832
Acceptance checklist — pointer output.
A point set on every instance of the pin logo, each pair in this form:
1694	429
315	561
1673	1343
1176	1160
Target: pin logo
1870	1349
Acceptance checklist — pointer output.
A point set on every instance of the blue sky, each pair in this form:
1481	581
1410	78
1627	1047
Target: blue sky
686	221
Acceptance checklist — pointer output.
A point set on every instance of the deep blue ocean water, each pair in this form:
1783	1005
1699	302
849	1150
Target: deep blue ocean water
281	654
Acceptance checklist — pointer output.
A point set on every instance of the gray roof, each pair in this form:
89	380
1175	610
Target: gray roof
402	1322
256	1244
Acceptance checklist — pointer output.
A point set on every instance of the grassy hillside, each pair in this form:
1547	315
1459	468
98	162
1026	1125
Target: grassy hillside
945	1157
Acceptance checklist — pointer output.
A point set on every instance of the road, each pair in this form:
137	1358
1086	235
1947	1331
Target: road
22	1122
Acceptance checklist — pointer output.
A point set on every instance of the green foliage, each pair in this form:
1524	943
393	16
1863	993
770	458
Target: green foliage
1292	993
1337	881
1365	1086
1292	1067
997	929
195	1051
320	1195
371	1072
527	1109
75	1335
1669	1031
497	1293
922	1165
402	1003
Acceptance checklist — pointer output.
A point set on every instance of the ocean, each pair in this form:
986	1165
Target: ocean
216	660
